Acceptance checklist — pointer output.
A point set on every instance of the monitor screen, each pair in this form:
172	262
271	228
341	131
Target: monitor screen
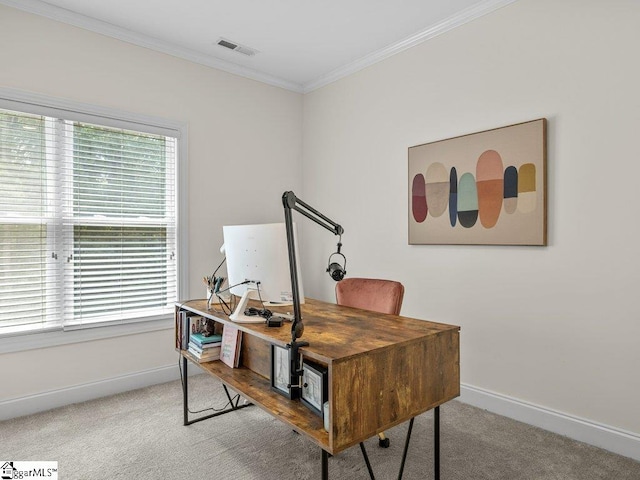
259	254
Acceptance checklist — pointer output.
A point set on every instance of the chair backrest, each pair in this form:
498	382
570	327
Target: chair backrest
383	296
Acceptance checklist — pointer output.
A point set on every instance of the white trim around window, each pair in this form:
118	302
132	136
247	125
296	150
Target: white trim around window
12	99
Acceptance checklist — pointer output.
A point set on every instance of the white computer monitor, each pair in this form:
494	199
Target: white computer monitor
259	254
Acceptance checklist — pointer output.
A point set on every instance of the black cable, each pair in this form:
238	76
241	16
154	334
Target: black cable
265	312
228	309
223	304
260	296
212	282
213	409
259	312
262	312
216	270
233	286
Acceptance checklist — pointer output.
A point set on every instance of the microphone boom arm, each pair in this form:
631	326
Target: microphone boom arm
291	202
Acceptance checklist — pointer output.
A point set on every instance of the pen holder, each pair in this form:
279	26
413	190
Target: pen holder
211	298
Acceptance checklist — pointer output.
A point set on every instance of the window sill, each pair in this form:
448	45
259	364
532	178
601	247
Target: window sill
30	341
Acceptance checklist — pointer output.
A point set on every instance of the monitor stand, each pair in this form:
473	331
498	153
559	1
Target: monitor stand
277	304
238	315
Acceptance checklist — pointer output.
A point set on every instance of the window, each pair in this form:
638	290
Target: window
88	220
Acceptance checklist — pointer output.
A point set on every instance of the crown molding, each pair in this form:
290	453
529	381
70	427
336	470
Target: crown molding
52	12
447	24
44	9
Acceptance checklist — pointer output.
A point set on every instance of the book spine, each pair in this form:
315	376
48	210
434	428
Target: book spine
184	323
202	340
204	345
238	350
195	349
208	356
178	327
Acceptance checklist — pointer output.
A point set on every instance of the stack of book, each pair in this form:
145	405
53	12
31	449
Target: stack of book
205	349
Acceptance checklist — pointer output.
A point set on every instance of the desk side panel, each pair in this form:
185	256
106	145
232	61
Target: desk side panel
383	388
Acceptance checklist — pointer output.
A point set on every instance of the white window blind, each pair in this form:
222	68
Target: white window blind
87	223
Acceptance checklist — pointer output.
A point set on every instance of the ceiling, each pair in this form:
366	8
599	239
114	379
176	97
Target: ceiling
301	44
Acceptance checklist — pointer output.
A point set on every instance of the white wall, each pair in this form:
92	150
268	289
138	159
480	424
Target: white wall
244	151
554	326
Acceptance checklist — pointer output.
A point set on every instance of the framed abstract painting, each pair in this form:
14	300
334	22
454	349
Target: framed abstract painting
485	188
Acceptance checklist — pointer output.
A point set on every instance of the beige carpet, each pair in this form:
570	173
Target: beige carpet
139	435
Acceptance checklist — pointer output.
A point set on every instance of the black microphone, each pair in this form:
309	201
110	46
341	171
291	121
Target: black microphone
337	271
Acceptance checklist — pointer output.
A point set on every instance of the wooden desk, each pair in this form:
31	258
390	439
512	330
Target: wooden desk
383	369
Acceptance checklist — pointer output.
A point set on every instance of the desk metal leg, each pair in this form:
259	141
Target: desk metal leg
325	465
185	393
366	460
406	448
226	390
185	399
436	443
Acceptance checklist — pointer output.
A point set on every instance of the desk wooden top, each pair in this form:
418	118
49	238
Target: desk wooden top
334	332
382	369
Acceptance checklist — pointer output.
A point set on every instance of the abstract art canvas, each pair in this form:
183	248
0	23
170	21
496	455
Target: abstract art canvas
485	188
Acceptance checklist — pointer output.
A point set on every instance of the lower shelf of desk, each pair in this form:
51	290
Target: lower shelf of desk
257	389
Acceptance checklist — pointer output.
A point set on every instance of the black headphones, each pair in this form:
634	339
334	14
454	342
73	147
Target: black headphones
337	271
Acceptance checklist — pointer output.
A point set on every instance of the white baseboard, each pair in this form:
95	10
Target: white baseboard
17	407
602	436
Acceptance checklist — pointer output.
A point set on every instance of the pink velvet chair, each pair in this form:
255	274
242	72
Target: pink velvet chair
383	296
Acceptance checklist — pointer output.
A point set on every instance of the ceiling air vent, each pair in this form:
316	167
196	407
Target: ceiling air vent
236	47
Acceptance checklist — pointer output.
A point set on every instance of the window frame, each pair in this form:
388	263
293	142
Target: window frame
17	100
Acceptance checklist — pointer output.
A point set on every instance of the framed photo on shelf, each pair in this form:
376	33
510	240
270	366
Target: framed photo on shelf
314	390
280	372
